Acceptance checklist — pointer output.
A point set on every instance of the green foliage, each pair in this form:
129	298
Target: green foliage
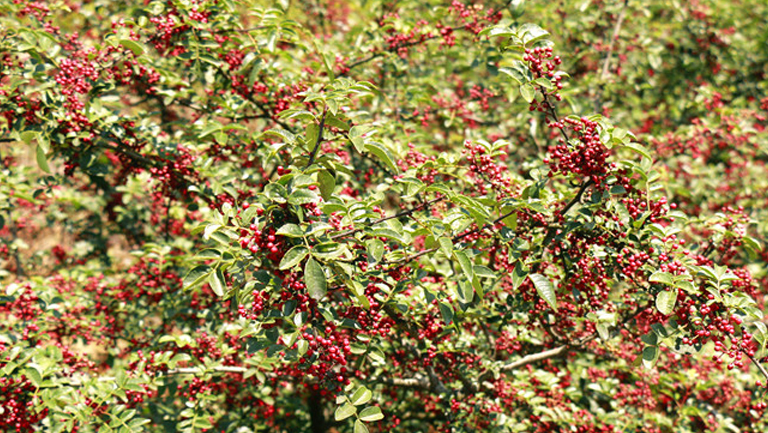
366	216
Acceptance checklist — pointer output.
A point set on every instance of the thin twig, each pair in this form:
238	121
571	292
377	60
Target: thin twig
397	47
319	138
614	37
609	54
756	362
381	220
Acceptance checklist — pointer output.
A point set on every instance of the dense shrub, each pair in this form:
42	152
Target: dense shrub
416	216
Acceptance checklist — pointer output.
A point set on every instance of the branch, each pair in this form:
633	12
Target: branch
614	37
418	382
577	197
319	138
756	362
534	357
412	43
454	239
609	55
397	215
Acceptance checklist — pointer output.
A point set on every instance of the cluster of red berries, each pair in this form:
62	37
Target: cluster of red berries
74	75
483	169
542	64
326	357
256	240
257	306
631	263
588	158
637	395
639	205
472	17
400	42
167	28
177	170
415	159
17	408
709	321
371	320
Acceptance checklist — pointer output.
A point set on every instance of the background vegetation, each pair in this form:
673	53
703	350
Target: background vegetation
416	215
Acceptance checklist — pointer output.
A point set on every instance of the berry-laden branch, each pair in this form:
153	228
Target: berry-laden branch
400	46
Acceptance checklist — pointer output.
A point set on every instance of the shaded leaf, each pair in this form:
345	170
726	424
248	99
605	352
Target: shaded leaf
314	278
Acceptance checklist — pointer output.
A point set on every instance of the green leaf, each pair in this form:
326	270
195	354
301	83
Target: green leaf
474	207
196	276
362	396
650	339
638	148
327	184
446	246
528	92
483	271
371	413
344	411
665	301
382	154
531	33
662	277
136	47
447	312
34	376
519	274
466	291
650	355
217	282
375	248
360	427
545	288
42	161
356	136
302	196
543	82
465	264
287	136
377	356
478	287
290	230
28	136
314	278
602	331
329	250
202	423
208	254
293	257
